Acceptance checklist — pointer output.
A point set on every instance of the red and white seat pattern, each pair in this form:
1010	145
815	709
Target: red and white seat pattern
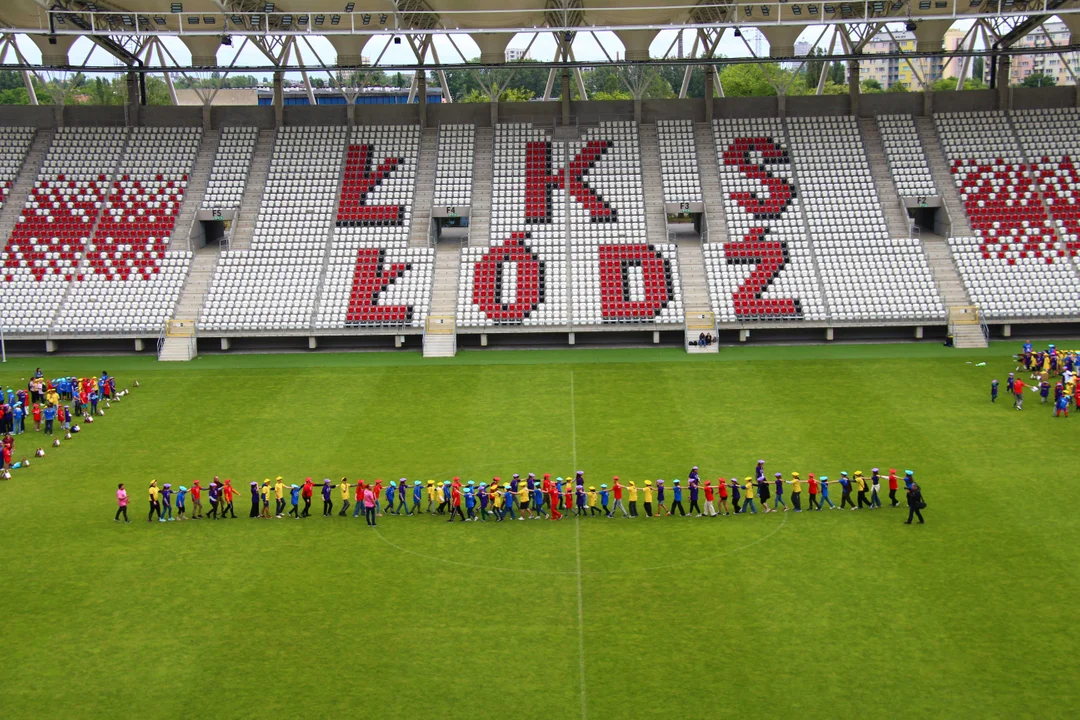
47	245
766	270
865	274
454	166
372	278
131	280
617	276
228	177
904	153
273	285
14	142
1019	264
1051	138
678	161
521	278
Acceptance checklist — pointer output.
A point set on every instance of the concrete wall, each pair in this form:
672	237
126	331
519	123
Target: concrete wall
1037	98
168	116
891	104
814	105
539	113
744	107
260	116
478	114
93	115
964	101
315	115
689	109
383	114
40	116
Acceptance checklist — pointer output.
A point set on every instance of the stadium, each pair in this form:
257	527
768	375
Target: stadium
458	270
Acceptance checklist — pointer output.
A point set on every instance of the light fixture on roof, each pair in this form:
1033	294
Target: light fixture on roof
91	7
268	8
349	7
812	9
286	19
738	32
910	26
397	40
365	18
209	20
335	19
159	20
319	19
226	40
302	20
796	10
830	9
128	20
765	10
924	4
176	8
193	20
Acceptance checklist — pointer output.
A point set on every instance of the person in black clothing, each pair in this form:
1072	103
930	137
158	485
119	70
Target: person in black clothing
915	503
254	500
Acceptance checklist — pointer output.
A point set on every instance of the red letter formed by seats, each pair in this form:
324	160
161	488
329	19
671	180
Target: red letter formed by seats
769	257
539	182
359	181
508	283
616	300
370	280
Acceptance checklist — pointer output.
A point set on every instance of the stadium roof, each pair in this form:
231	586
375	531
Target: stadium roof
349	26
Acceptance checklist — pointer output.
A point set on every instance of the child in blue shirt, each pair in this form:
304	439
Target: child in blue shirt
416	498
389	495
50	416
181	507
166	503
294	498
993	390
20	419
604	499
94	397
470	502
483	501
538	500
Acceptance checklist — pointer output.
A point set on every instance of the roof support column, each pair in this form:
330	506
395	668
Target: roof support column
1004	90
564	86
710	80
853	86
279	98
133	99
421	92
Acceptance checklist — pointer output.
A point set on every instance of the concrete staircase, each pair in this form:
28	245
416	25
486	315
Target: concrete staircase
198	179
483	170
189	306
244	225
695	287
943	179
445	283
710	183
968	336
944	269
652	185
895	217
444	300
176	348
424	194
24	182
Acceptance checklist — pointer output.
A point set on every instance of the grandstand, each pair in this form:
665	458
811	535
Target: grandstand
300	223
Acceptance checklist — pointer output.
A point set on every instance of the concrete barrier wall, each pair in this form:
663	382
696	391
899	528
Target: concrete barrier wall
168	116
260	116
542	113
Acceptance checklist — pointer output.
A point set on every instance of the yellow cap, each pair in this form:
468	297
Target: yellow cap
648	482
795	474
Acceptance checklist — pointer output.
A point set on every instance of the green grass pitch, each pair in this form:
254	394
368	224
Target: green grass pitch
822	615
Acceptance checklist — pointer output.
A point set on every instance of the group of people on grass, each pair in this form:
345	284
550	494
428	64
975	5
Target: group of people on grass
1051	370
531	498
48	403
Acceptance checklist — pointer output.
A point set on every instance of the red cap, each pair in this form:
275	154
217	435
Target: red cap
615	478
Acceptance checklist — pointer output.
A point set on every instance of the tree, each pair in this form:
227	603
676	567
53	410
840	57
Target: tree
897	86
746	80
837	74
400	81
945	84
813	67
832	88
871	86
978	69
673	74
617	95
318	83
1038	79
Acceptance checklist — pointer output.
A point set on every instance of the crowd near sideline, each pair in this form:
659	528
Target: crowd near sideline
47	403
531	498
1049	369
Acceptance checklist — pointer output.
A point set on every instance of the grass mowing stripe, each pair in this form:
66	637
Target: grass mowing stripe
577	553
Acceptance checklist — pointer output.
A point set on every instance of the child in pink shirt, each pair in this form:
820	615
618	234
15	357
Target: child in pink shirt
122	503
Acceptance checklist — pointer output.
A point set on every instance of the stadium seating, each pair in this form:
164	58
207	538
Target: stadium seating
372	278
273	285
1016	267
766	270
232	162
904	152
678	161
49	240
14	142
521	278
131	280
617	276
865	274
1051	139
454	168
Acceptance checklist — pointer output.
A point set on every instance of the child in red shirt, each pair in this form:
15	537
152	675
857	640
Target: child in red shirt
812	491
37	417
710	510
721	486
892	487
